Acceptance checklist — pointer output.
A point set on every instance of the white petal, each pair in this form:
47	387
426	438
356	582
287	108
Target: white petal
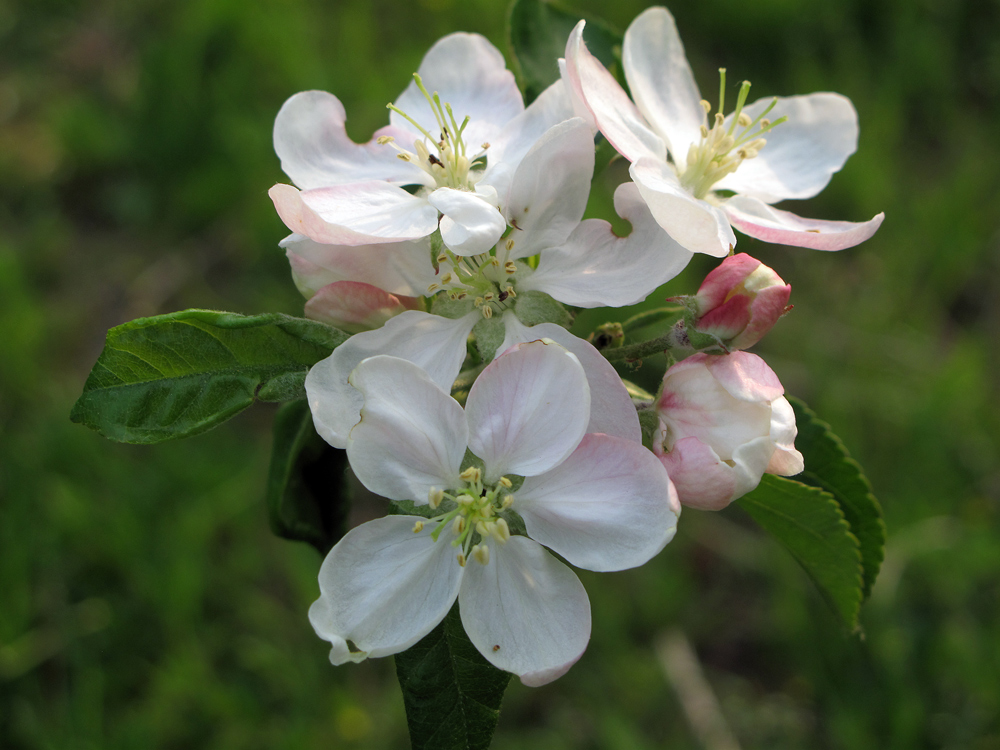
703	480
434	343
616	116
510	145
398	268
661	80
694	224
470	74
354	307
358	214
384	588
471	225
315	150
801	154
550	189
785	461
757	219
596	268
412	434
528	410
609	506
611	409
525	611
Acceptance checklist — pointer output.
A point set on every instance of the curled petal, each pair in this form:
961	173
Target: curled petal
550	189
471	223
470	74
434	343
661	80
383	588
400	268
613	111
695	224
596	268
611	409
705	481
528	410
363	213
786	461
525	611
609	506
315	150
757	219
801	154
355	307
412	435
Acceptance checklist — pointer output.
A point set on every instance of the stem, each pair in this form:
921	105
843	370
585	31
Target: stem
649	317
633	352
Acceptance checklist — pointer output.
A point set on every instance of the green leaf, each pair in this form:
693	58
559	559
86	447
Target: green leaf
307	496
830	467
451	693
808	522
537	31
177	375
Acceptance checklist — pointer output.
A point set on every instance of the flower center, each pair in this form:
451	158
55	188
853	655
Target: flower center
721	150
473	511
450	166
487	278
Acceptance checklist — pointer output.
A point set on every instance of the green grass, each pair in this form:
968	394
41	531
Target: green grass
143	601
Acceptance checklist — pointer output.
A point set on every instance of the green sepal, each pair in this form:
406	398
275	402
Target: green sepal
537	32
809	523
489	334
830	467
177	375
649	423
307	493
451	693
447	307
534	307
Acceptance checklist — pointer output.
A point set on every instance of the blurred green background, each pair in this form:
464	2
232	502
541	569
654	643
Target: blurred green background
144	602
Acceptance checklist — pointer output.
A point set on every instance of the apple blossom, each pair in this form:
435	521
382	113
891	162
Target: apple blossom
601	502
465	121
723	423
808	138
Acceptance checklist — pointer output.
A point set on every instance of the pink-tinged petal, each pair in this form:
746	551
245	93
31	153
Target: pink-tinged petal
744	376
721	280
765	310
363	213
508	149
470	74
580	108
525	611
550	188
355	307
614	113
315	150
434	343
661	80
528	410
786	461
706	482
801	154
400	268
695	224
609	506
384	587
728	320
757	219
596	268
412	435
471	224
611	408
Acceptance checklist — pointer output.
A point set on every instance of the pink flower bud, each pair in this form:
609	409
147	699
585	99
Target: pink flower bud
355	307
723	423
739	301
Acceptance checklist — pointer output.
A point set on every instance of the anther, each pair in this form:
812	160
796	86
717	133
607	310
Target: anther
442	257
488	297
482	554
472	474
434	497
458	525
704	132
719	119
485	146
433	288
744	120
510	267
510	291
509	245
507	502
506	482
765	124
418	527
404	157
487	312
446	279
705	105
501	530
384	139
461	559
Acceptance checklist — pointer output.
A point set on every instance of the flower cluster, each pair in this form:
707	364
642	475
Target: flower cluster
453	246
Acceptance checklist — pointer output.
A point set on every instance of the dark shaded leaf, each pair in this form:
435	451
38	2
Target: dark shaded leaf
176	375
451	693
307	495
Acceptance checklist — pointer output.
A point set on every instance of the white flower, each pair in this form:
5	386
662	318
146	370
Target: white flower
462	110
601	502
723	423
808	138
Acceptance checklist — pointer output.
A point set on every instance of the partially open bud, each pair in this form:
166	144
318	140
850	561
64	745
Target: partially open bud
739	302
